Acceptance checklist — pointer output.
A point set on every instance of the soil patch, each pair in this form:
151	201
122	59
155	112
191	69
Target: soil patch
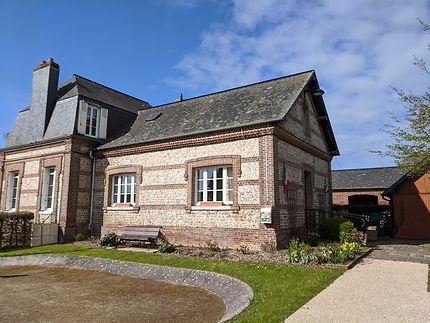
230	254
40	294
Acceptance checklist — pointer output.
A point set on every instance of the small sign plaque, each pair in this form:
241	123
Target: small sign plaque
266	214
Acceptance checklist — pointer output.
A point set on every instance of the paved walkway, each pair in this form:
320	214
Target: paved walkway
373	291
402	250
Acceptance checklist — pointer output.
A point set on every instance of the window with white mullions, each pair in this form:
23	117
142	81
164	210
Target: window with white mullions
123	189
92	121
12	191
47	201
214	184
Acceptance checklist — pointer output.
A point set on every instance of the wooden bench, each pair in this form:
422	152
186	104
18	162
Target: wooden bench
147	234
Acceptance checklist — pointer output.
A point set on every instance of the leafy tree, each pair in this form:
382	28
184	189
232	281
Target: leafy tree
410	147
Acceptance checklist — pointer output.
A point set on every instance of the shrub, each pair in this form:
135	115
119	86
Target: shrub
15	228
167	247
94	239
330	228
109	240
79	237
345	229
356	236
299	252
268	247
243	249
346	226
212	245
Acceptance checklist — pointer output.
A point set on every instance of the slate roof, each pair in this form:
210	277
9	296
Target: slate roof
93	90
365	178
253	104
62	122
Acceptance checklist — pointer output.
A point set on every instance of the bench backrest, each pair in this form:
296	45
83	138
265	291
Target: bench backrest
143	232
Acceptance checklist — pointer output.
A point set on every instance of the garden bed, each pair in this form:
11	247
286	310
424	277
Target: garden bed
276	257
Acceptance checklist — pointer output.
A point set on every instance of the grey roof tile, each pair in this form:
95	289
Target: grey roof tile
93	90
62	121
258	103
365	178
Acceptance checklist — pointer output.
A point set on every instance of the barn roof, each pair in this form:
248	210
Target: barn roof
365	178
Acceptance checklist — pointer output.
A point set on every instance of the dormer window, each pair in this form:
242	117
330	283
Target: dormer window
92	120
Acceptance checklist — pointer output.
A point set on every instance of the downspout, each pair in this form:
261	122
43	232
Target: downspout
1	178
93	176
60	191
266	180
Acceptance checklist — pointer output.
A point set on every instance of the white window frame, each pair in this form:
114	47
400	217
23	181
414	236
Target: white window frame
122	180
91	109
12	188
224	178
44	205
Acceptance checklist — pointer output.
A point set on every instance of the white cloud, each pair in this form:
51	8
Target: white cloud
358	49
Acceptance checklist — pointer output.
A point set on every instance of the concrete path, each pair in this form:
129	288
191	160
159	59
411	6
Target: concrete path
402	250
373	291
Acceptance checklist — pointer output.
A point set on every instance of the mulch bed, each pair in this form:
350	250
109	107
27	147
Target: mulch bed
233	255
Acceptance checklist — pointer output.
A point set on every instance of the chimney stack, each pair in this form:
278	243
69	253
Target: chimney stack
43	95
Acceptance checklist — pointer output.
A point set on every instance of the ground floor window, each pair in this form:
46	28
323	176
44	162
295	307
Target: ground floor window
47	198
12	191
123	189
214	184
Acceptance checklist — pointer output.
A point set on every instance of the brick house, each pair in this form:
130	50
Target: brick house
361	189
238	166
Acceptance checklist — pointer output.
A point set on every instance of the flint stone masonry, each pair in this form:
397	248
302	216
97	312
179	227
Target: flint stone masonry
235	294
34	153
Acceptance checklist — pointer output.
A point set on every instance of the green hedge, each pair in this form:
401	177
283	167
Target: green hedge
15	229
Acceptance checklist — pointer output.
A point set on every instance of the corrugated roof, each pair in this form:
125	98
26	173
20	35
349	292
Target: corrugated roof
257	103
365	178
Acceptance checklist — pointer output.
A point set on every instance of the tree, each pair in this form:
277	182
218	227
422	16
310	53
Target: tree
410	147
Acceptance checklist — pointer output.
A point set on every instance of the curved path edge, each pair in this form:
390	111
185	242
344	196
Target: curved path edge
235	293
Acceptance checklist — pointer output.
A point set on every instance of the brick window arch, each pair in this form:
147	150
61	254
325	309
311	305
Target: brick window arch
118	171
204	163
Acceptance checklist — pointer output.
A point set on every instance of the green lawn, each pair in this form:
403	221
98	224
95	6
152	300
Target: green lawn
279	290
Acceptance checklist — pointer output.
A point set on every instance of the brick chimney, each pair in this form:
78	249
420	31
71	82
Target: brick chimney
43	95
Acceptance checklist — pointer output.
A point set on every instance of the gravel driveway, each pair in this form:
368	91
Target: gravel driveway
373	291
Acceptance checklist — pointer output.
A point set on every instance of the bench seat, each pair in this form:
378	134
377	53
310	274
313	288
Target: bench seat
140	233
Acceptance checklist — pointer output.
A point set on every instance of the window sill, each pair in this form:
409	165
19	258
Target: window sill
213	208
45	212
122	208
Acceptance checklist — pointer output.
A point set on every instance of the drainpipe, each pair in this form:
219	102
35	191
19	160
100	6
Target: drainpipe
1	177
93	176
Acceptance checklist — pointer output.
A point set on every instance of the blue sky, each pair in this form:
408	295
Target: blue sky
156	50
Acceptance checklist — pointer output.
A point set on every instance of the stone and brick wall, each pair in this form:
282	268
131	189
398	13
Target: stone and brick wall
165	194
72	187
301	150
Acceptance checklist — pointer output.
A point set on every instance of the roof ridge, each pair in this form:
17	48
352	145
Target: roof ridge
364	168
107	87
235	88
